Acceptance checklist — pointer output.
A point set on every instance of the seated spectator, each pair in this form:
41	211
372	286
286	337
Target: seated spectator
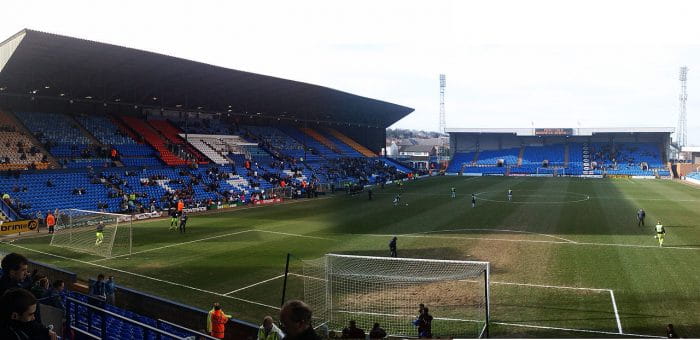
352	332
377	332
17	317
49	183
14	271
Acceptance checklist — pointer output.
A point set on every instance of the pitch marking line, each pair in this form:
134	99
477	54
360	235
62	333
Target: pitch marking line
575	330
143	276
536	241
211	238
483	229
617	316
296	235
175	245
255	284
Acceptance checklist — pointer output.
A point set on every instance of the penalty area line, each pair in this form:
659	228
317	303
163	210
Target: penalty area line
255	284
175	245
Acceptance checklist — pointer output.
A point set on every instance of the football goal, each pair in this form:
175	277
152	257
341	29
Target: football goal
387	290
93	232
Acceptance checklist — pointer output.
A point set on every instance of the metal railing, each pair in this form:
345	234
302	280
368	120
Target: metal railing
73	313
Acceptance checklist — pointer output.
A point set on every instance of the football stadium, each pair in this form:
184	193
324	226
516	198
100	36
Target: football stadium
150	187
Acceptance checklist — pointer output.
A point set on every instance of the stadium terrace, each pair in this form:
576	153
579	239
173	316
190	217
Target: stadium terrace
596	152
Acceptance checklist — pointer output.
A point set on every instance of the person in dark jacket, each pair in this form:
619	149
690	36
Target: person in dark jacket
55	295
14	271
183	222
353	332
425	324
17	317
296	318
377	332
392	247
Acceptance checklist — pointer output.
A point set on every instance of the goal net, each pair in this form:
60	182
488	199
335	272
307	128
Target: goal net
368	289
93	232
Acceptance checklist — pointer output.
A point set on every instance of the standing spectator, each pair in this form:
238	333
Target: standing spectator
216	321
296	318
110	289
425	321
55	298
353	332
97	290
14	271
269	331
50	222
17	317
377	332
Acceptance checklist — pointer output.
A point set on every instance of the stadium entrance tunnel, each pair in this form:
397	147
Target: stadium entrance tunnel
533	197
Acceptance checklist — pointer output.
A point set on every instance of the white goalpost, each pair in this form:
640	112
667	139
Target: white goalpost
93	232
388	290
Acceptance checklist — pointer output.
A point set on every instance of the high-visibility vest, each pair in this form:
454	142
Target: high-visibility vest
50	220
272	335
180	206
216	323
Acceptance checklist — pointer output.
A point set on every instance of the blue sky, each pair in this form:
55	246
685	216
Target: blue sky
508	63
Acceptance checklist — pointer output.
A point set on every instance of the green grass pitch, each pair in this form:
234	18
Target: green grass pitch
559	252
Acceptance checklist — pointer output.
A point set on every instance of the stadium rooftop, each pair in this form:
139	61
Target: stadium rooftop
42	65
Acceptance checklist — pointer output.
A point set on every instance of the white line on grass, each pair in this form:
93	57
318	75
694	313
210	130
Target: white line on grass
574	330
484	229
617	316
175	245
296	235
142	276
255	284
535	241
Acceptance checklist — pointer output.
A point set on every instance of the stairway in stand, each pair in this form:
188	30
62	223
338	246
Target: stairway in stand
320	138
352	143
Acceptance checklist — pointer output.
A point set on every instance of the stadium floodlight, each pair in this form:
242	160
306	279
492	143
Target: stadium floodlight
79	230
388	290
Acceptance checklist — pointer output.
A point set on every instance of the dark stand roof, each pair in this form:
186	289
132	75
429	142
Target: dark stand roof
91	71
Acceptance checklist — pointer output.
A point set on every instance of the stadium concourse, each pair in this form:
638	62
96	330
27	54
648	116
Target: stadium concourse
82	129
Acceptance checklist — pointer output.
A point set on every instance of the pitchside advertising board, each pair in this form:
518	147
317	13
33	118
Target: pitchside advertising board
8	228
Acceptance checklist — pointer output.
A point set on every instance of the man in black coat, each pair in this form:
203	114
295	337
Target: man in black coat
14	271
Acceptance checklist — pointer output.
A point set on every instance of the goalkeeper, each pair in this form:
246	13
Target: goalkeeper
99	233
660	233
173	218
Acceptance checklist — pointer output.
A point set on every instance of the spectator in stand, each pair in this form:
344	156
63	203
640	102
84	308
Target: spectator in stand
40	289
353	332
97	289
377	332
14	271
216	321
17	317
269	331
110	290
55	299
296	318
